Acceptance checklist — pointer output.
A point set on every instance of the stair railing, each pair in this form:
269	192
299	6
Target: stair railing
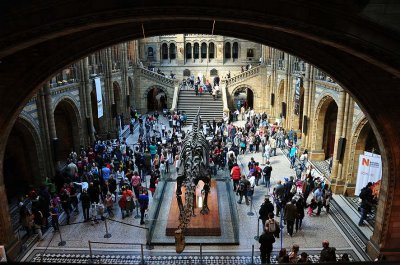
157	77
175	99
242	76
225	99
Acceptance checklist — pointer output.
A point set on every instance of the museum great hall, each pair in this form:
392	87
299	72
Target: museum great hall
328	71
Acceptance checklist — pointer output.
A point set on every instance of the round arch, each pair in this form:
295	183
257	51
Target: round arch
346	51
156	97
23	160
68	127
325	127
243	96
116	107
363	139
281	99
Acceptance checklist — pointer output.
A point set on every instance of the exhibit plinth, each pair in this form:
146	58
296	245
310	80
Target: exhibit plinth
200	225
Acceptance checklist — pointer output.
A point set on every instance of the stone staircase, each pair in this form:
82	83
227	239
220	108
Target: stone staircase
209	108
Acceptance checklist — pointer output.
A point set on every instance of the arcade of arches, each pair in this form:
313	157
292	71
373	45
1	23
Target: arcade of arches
360	53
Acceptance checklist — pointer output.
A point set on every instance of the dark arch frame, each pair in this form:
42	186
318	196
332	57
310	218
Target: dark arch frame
360	54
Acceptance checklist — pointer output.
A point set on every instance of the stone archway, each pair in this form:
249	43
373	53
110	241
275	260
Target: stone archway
117	105
68	128
354	52
281	106
157	99
363	139
243	96
324	129
22	160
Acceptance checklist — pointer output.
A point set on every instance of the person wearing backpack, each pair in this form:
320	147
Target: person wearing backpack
328	254
266	241
272	226
266	208
266	172
290	216
366	202
244	187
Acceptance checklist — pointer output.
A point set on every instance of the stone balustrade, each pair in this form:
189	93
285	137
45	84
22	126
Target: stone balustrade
242	76
157	77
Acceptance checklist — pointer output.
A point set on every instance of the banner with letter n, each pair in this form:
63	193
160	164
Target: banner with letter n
99	97
369	170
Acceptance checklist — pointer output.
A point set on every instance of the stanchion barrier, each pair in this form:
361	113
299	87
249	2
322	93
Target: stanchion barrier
257	237
90	252
62	242
107	235
251	213
142	255
201	254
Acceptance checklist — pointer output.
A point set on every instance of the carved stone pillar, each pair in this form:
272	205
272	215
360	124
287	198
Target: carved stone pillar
87	99
338	134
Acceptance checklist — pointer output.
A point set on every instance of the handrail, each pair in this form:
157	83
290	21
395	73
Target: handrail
242	76
157	77
175	99
224	99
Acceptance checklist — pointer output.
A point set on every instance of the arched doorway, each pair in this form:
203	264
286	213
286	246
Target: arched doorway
21	163
325	128
328	142
156	99
366	141
301	108
117	106
243	97
281	100
67	128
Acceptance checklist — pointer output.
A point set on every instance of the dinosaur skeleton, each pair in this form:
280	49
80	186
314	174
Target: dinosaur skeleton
194	167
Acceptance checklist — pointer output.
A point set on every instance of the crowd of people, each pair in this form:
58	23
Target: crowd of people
112	174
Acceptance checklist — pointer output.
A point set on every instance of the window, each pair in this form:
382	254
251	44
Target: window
235	50
172	51
203	50
188	51
164	51
250	53
196	51
150	52
228	50
211	50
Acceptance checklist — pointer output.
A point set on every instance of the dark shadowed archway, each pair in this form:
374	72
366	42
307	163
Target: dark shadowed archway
21	163
66	118
361	53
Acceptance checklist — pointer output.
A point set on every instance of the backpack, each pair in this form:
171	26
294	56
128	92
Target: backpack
271	226
363	194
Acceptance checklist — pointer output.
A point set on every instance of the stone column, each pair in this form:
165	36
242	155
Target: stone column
108	89
306	110
338	134
273	82
7	237
124	78
44	132
50	121
86	90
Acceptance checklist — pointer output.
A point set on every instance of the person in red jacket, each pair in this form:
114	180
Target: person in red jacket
235	175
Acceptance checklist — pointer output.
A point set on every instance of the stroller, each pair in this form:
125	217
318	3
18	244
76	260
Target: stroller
96	210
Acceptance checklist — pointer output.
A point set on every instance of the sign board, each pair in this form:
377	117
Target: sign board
99	96
369	170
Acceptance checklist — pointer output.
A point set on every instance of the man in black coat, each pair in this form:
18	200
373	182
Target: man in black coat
266	241
266	208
